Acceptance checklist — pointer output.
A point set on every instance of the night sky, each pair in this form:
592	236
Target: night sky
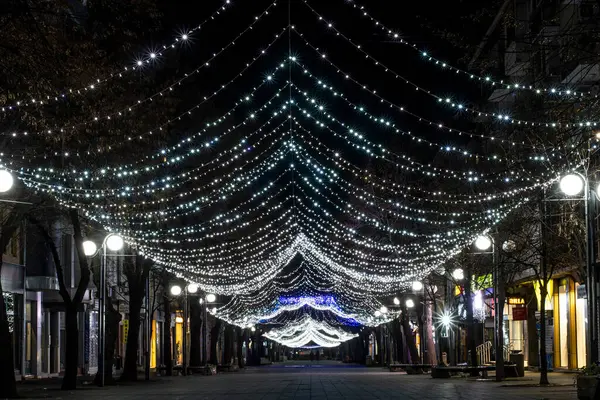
431	27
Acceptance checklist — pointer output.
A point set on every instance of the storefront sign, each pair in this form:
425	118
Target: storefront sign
519	313
516	301
125	330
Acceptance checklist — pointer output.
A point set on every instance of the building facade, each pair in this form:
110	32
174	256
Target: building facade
546	44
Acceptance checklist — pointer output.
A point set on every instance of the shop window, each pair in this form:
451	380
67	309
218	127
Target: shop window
563	326
581	326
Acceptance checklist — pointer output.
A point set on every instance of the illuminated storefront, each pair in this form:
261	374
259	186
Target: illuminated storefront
566	307
515	326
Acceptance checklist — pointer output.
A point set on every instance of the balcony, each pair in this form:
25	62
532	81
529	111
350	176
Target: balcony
516	59
41	283
549	34
583	74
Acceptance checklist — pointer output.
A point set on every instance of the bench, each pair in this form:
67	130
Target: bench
201	369
228	368
162	368
411	369
195	369
447	372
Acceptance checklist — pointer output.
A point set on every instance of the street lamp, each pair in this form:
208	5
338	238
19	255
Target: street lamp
485	245
572	184
483	242
208	298
396	301
458	274
446	319
383	310
6	181
89	248
417	286
176	290
509	246
410	303
114	243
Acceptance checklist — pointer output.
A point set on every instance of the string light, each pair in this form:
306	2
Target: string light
494	82
177	42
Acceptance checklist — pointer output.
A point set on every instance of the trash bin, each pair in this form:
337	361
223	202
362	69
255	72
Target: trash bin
519	360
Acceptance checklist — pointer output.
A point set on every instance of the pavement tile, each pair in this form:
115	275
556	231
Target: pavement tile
325	383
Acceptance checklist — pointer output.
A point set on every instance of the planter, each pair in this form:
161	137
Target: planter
586	386
209	370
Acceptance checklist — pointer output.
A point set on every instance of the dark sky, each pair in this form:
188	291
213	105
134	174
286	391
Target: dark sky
433	26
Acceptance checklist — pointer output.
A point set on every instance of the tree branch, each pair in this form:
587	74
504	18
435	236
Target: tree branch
84	278
62	287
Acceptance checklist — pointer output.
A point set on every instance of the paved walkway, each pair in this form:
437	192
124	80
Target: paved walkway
321	381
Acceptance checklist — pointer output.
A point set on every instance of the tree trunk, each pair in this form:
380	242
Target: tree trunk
471	346
71	352
398	341
11	223
71	304
112	319
167	345
214	340
240	349
420	310
501	296
136	272
543	358
195	334
430	344
379	356
438	334
365	346
136	298
409	338
358	350
8	388
228	342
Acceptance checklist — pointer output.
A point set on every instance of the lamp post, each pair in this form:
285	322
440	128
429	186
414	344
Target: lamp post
209	298
192	288
6	181
576	186
114	243
176	291
486	245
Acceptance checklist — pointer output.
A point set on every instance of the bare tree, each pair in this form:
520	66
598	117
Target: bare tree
112	318
544	244
71	302
136	272
12	218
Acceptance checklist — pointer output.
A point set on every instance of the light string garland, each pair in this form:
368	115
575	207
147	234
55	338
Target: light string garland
147	60
447	101
516	87
125	111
